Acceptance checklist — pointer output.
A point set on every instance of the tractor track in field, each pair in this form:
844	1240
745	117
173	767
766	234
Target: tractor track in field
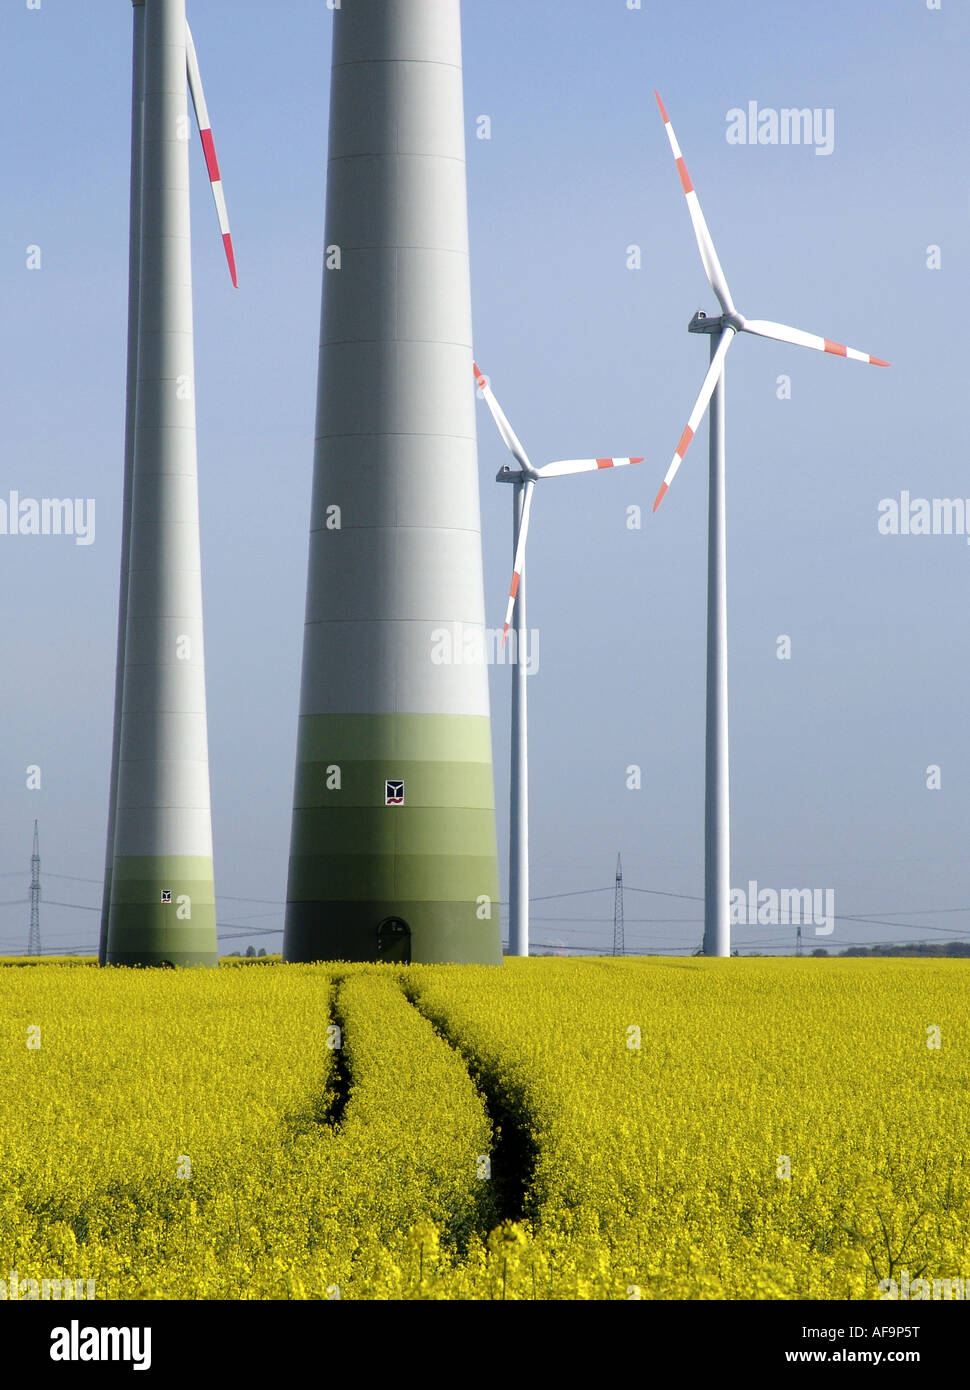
514	1151
340	1080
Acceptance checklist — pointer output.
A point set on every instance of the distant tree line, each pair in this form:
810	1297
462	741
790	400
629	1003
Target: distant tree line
914	948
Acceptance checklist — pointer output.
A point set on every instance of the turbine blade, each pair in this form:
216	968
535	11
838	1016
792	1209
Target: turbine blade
519	565
504	428
208	146
697	414
780	332
705	242
567	466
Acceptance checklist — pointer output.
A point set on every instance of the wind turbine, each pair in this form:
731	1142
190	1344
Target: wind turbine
159	725
723	329
524	483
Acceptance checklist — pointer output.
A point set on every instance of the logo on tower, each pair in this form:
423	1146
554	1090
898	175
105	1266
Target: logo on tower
393	793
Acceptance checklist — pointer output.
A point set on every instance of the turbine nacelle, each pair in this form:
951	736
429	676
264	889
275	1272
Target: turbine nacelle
508	475
713	323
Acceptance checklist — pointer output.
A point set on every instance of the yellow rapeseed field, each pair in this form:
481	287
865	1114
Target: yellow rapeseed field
728	1129
646	1128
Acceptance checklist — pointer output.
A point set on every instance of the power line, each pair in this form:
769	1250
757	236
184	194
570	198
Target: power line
690	921
258	916
900	926
595	925
269	902
85	950
688	897
916	912
579	893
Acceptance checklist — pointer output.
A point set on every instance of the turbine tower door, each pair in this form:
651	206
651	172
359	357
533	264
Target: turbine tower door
394	941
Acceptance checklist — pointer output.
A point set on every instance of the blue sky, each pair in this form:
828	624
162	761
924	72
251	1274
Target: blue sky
830	750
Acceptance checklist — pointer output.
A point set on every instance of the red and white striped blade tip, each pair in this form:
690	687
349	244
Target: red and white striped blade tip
509	437
686	439
840	350
702	233
209	150
215	181
707	390
563	468
231	258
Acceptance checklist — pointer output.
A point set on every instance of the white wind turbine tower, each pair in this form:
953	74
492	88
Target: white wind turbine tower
163	718
717	858
524	484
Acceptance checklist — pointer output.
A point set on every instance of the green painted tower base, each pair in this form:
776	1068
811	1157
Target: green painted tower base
376	881
163	912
